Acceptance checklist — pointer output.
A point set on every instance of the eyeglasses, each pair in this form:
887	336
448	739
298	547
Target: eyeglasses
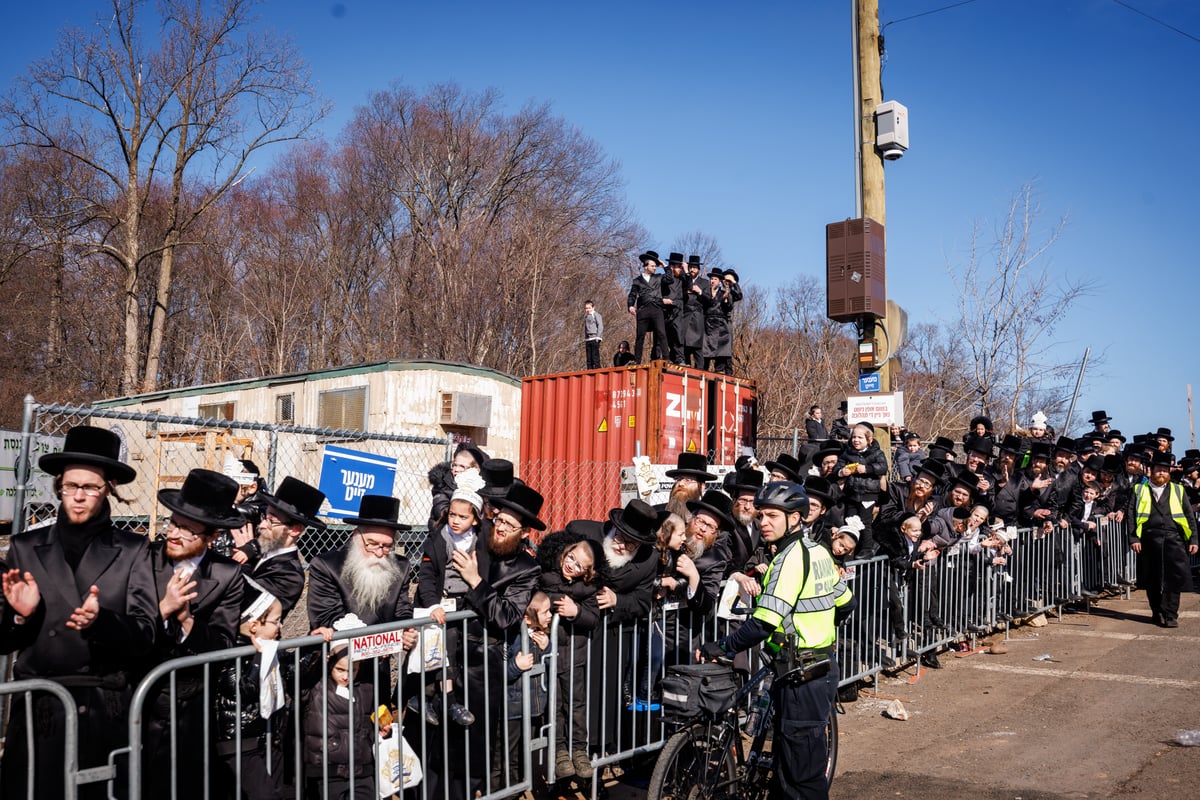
275	519
89	489
573	560
704	524
171	524
504	524
623	541
380	548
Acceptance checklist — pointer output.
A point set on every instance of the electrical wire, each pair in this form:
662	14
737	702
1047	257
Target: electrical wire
1159	21
927	13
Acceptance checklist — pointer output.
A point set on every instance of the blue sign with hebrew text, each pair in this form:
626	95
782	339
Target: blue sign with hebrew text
346	475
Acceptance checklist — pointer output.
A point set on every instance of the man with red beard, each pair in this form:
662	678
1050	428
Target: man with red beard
200	601
500	580
1162	531
81	608
690	474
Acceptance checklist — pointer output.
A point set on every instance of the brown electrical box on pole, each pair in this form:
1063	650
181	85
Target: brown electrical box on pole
855	279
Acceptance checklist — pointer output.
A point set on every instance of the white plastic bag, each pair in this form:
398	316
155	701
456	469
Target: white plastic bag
431	647
398	765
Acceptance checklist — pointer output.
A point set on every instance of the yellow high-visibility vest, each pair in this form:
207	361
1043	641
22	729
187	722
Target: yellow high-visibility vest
1144	500
802	589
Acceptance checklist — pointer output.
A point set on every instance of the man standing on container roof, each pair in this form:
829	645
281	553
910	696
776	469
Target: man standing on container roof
673	302
646	303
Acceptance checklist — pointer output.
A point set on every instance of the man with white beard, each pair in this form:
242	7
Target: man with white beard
365	577
690	474
289	512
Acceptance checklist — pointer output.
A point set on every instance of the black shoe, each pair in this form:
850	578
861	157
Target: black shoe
934	621
931	660
461	715
431	715
1170	623
1157	619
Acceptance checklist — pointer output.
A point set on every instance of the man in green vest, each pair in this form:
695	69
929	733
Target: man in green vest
1162	531
796	617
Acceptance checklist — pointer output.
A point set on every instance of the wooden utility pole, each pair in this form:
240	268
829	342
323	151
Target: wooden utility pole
868	94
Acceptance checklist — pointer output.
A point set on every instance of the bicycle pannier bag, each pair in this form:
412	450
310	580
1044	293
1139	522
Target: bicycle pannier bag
689	690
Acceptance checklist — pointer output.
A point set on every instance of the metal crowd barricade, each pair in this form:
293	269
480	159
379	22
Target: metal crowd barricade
24	692
455	762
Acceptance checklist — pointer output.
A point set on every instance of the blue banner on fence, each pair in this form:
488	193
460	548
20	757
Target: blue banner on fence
346	475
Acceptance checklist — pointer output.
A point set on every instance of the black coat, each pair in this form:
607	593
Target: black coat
718	340
864	484
215	610
633	583
117	563
649	292
693	312
442	486
329	598
556	586
331	742
814	429
282	575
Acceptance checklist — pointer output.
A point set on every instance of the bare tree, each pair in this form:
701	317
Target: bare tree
1009	306
197	102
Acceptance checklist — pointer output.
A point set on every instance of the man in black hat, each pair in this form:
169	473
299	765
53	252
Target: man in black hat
1161	526
1037	501
365	577
82	610
717	349
498	476
706	551
693	313
500	580
979	451
1100	420
674	298
742	485
1004	475
786	467
840	428
646	304
289	512
200	601
690	474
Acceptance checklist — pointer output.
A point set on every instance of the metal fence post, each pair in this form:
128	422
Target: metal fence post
21	471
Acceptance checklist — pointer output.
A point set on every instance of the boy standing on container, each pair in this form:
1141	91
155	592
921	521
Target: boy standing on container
593	333
646	303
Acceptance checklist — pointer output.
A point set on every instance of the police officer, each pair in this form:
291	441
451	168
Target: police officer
802	601
1162	531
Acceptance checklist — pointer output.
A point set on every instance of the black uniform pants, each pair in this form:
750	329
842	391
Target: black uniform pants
675	331
650	320
1164	570
800	745
592	349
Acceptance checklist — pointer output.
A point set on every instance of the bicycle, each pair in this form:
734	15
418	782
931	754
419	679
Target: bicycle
708	758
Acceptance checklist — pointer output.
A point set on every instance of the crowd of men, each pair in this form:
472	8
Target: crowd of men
95	608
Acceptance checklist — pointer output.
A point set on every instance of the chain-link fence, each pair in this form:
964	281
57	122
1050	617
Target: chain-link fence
163	449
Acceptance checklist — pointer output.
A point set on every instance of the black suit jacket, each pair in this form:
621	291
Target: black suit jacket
215	610
649	292
282	576
632	583
329	597
117	563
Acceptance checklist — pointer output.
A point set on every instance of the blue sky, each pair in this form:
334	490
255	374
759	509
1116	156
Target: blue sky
735	119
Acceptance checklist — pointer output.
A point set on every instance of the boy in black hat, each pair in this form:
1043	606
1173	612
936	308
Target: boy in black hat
646	304
81	608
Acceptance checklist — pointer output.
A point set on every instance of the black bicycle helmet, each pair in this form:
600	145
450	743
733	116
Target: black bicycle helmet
784	495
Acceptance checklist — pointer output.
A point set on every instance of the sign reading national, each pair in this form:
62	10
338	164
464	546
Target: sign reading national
376	645
346	475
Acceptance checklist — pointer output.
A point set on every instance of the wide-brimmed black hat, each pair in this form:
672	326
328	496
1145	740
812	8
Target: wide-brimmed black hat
935	469
967	479
1040	450
717	504
1115	434
675	258
1066	444
638	520
821	489
1011	444
498	478
716	273
650	255
379	511
744	480
1112	463
298	501
788	465
694	261
1100	416
1095	463
979	444
1163	433
942	444
1159	459
691	465
731	273
92	447
525	503
828	448
206	497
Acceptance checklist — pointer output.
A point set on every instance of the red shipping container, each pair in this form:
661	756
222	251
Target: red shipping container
578	429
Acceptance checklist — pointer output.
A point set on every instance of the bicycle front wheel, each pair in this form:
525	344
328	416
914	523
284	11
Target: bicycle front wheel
684	772
831	740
